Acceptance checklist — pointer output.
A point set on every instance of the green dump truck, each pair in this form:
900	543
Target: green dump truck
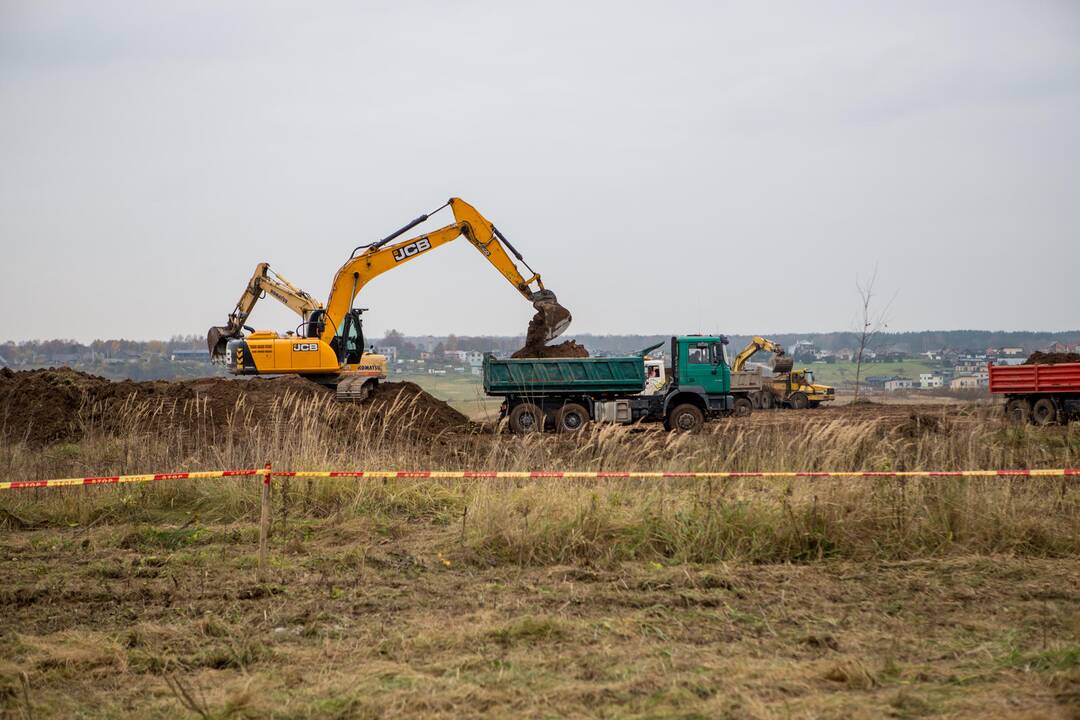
564	395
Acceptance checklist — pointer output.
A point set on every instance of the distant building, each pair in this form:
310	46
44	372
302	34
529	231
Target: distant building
964	382
475	358
200	355
389	351
970	364
930	381
460	356
899	384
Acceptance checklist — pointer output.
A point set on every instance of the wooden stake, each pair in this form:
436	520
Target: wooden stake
264	526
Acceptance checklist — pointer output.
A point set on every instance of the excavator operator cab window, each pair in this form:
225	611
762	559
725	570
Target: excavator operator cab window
350	339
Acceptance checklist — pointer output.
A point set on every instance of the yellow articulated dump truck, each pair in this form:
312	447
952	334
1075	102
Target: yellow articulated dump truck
785	388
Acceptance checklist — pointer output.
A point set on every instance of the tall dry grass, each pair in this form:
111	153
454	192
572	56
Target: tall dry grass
558	521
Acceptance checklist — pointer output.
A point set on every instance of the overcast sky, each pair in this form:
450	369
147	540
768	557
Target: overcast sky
667	167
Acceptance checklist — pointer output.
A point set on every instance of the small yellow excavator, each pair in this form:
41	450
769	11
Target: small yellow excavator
328	345
786	388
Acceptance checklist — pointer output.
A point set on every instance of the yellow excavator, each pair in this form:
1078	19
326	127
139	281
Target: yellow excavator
328	345
786	388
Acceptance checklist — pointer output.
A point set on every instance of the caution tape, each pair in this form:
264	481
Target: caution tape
530	475
644	475
120	479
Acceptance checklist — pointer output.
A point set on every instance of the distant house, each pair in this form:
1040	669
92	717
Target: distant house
475	358
899	384
390	351
199	355
930	380
970	364
964	382
460	356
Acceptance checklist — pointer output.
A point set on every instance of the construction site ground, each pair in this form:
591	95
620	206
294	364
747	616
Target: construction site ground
121	621
142	602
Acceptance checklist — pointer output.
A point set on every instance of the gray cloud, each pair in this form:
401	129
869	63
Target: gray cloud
669	167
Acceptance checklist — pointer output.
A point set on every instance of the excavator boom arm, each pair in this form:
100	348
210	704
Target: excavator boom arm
383	256
755	346
264	280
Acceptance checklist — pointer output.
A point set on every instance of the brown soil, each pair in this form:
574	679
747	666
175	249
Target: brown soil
41	407
1041	358
568	349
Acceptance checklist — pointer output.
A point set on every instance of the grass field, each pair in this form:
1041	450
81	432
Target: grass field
551	598
842	375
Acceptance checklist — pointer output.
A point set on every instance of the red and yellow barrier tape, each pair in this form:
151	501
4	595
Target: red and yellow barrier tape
533	475
116	479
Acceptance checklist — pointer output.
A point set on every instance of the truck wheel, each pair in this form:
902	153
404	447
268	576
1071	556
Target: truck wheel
743	407
766	401
571	418
686	418
1044	412
1018	410
526	418
799	401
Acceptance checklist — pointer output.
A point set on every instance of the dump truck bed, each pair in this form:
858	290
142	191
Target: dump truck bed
587	376
1030	379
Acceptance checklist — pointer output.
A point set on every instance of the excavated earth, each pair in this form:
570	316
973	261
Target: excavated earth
42	407
1041	358
568	349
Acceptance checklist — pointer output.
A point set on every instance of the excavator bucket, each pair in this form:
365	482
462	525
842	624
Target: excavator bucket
217	338
550	321
782	364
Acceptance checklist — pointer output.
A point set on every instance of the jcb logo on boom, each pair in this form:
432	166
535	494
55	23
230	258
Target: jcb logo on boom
414	248
305	347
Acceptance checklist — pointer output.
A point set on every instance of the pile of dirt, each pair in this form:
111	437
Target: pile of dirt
568	349
1041	358
43	407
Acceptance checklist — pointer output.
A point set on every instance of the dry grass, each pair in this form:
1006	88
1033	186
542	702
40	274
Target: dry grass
423	598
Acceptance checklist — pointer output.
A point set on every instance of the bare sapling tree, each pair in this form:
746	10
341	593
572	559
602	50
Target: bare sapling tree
871	322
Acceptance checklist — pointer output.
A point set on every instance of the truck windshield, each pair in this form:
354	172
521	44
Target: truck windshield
698	354
809	377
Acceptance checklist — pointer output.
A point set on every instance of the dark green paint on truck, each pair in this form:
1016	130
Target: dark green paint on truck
563	394
594	376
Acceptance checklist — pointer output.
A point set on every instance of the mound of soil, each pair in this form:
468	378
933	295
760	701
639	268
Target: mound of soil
1041	358
568	349
42	407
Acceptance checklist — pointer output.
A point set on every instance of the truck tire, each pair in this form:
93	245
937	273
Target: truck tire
571	418
743	407
1018	410
526	418
799	401
1044	412
685	418
766	401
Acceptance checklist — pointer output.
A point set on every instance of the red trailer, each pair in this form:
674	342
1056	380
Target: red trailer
1041	394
